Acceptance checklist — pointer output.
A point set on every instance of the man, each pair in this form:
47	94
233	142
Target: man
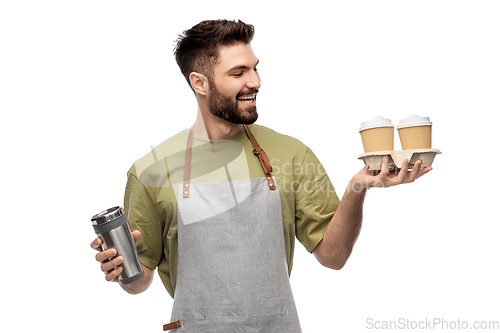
219	220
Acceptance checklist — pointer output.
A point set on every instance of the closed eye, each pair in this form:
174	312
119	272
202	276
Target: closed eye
238	71
241	73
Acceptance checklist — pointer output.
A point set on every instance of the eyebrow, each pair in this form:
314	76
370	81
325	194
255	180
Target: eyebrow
241	67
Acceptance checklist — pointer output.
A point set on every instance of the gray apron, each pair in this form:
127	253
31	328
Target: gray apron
232	272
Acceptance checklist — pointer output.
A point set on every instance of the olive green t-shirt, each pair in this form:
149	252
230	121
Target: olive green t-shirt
308	199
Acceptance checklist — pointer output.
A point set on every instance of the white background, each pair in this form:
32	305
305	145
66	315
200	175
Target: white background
86	87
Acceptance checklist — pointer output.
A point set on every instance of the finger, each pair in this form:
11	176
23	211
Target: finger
384	169
112	276
414	172
400	179
96	244
423	171
381	178
110	265
105	255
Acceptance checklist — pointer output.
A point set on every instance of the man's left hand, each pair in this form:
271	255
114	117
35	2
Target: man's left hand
365	179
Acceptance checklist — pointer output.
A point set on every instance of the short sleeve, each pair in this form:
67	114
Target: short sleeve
142	215
315	201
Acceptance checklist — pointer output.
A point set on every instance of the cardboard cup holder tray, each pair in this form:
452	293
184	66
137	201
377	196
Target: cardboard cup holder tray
373	160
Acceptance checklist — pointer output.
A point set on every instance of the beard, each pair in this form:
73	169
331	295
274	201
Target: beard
227	108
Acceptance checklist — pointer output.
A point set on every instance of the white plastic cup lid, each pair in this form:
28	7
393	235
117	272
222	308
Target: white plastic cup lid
376	122
414	120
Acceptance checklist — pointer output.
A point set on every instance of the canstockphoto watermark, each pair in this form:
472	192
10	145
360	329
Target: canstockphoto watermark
307	177
297	168
431	324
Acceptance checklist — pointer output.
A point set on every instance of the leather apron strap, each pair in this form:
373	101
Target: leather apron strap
187	164
264	160
173	325
257	150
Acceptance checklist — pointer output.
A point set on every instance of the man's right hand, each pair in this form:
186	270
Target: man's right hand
110	263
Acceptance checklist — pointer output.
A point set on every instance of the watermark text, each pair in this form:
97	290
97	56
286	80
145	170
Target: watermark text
431	324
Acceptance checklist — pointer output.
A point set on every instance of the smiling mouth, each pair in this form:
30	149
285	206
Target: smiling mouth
248	99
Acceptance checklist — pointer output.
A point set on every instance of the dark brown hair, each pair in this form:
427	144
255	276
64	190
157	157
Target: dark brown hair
197	49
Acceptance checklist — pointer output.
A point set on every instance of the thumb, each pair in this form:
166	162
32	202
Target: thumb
136	234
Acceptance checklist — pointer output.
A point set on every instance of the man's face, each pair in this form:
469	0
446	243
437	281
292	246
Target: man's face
233	89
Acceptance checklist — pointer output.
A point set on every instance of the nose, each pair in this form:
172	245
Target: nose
253	80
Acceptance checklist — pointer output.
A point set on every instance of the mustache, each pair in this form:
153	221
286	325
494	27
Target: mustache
248	92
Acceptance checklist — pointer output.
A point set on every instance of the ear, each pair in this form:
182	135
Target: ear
199	83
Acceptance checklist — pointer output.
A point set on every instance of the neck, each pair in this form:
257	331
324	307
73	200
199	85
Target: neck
208	126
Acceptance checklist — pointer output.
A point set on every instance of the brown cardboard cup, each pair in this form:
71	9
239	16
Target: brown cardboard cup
377	134
377	139
415	132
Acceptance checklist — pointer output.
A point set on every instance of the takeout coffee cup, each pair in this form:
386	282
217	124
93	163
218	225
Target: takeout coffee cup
415	132
377	134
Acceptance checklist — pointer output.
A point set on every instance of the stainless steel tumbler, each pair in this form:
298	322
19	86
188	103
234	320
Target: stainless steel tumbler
113	227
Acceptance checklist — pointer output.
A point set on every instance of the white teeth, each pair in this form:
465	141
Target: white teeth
248	97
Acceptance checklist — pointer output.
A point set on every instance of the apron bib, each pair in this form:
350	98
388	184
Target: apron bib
232	272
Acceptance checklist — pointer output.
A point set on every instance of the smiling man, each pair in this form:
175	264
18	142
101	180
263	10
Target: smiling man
216	218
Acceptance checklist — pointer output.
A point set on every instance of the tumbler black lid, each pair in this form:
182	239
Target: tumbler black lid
107	215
